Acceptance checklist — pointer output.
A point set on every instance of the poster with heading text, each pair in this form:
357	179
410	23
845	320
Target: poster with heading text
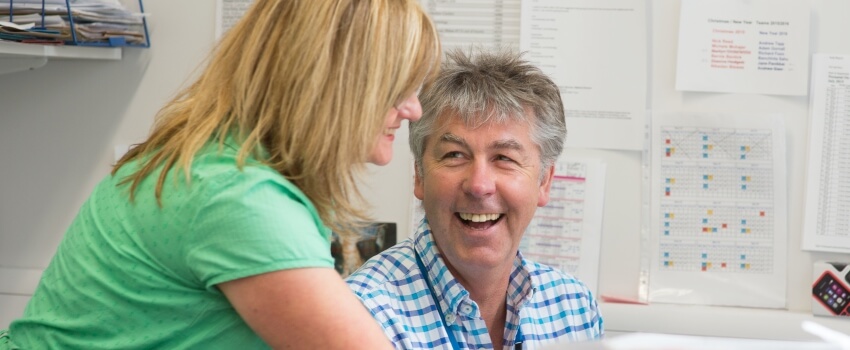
756	46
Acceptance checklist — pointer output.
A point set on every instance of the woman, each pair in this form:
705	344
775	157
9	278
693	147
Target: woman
214	232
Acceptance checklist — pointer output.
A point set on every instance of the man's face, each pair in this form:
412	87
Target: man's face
480	188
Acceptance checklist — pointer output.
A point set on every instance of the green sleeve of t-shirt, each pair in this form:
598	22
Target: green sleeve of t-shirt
252	225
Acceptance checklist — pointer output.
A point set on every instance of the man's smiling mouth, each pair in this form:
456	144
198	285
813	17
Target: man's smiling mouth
479	221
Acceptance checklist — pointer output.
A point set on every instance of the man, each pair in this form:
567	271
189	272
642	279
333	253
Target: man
492	128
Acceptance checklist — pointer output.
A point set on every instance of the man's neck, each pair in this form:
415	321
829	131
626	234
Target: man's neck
495	321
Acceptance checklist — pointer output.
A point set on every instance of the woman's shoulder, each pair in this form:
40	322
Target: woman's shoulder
222	169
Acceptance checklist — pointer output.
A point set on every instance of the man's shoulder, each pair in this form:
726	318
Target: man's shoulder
562	301
393	268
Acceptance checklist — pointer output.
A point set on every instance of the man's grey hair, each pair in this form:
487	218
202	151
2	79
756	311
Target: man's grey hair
494	87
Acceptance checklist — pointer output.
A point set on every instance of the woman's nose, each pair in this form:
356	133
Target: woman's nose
410	108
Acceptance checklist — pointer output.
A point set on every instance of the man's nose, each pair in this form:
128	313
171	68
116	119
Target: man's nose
480	179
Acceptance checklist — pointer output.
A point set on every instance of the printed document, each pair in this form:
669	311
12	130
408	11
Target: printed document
596	51
487	24
227	13
755	46
826	225
567	232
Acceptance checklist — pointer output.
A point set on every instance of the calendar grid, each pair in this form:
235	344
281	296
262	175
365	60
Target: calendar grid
716	212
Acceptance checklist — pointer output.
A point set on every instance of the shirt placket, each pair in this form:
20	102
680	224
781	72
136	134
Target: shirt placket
475	332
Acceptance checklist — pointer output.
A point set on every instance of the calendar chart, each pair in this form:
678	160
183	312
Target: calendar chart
717	222
722	180
718	206
716	257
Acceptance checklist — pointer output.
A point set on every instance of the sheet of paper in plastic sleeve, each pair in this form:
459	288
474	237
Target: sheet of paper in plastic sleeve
826	223
718	230
227	13
567	232
596	51
487	24
755	46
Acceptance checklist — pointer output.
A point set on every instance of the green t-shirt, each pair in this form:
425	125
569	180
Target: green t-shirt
139	276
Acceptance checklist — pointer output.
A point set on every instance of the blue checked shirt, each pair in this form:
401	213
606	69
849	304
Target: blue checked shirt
546	304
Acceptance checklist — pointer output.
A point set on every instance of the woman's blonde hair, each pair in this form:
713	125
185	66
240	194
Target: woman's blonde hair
308	81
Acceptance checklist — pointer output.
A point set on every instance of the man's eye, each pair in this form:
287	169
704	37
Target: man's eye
453	155
504	158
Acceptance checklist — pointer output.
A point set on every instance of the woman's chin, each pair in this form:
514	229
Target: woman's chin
381	158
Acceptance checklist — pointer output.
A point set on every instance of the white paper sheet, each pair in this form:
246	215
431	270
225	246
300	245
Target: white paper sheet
567	232
754	46
826	225
227	13
596	51
718	210
489	24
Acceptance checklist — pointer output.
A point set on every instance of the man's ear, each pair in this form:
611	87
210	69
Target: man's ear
545	186
418	183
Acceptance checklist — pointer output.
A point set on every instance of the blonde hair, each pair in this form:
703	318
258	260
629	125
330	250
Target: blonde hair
310	82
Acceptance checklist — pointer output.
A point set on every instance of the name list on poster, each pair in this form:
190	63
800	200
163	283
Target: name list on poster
760	46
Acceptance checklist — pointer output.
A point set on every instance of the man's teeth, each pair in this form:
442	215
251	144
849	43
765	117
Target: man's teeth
478	217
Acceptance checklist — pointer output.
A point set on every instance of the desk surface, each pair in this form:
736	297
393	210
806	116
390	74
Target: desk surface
644	341
713	321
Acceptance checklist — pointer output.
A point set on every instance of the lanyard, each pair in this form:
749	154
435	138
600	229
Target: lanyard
452	340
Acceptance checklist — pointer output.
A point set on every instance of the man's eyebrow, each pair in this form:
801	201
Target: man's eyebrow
510	144
452	138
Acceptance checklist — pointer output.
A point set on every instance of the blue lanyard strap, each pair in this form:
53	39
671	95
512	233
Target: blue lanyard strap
455	345
424	271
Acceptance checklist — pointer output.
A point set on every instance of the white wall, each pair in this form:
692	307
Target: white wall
830	27
829	30
59	124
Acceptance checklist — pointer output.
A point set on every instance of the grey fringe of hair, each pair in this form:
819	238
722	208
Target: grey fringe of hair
493	87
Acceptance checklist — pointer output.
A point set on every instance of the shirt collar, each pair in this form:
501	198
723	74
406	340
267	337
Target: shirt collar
520	288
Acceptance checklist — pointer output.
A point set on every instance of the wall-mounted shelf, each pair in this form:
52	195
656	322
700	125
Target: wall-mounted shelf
15	57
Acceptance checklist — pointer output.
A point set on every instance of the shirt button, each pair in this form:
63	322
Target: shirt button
466	309
450	318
